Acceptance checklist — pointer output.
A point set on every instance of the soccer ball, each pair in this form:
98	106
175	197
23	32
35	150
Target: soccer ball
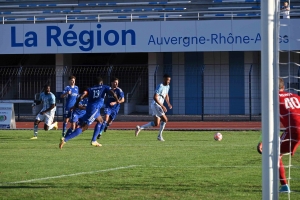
218	136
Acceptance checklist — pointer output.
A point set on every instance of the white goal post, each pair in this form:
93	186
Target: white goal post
269	94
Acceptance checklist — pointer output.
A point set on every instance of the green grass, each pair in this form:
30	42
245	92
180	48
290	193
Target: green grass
188	165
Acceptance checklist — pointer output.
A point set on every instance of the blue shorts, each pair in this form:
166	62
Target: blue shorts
75	116
67	113
90	116
111	112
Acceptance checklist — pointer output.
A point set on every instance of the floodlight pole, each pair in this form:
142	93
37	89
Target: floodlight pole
270	99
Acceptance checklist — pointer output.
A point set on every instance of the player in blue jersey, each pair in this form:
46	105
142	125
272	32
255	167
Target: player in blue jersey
112	107
158	108
47	113
76	114
70	93
95	96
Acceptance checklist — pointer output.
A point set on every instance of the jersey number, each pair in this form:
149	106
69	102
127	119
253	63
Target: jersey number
96	94
292	103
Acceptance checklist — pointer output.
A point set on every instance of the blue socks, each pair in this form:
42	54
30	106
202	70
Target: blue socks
69	131
98	130
73	134
64	128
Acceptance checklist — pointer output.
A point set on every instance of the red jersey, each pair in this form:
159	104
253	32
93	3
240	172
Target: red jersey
290	119
289	109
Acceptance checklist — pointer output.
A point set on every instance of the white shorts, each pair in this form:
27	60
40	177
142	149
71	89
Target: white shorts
157	110
47	118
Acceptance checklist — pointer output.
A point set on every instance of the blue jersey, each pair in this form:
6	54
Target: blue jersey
120	94
96	95
47	100
84	103
71	98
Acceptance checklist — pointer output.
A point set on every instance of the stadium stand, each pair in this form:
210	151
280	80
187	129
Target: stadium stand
93	11
64	11
229	8
13	11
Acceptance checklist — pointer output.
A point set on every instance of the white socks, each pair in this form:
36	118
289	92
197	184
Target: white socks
150	124
161	129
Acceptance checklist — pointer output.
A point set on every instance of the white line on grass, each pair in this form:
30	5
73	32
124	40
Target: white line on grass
68	175
179	145
201	166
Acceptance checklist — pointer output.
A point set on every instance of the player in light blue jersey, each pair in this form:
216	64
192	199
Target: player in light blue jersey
70	93
47	113
111	108
158	108
95	96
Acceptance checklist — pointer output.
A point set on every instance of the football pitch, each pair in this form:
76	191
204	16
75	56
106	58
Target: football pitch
188	165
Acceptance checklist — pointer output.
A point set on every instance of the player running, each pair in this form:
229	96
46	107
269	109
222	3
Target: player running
112	107
70	93
76	114
158	108
95	96
47	113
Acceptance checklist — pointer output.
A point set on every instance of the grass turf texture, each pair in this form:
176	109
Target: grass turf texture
188	165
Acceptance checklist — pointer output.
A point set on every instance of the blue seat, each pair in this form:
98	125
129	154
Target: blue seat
236	1
24	5
5	13
156	3
294	7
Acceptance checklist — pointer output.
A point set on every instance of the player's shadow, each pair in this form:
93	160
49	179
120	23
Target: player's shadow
7	138
22	187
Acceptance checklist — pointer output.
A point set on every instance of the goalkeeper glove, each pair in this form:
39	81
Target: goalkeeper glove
259	145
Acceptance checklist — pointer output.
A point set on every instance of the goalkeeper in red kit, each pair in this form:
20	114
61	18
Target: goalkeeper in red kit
289	108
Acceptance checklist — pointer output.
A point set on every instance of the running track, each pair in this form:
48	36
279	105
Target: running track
172	125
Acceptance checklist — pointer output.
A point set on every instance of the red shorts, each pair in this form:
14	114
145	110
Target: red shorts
289	142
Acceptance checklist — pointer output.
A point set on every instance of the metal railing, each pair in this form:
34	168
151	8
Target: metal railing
5	88
138	16
134	89
204	90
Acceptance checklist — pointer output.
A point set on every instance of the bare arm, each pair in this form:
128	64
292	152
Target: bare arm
155	98
120	101
76	105
36	102
285	8
114	95
168	101
49	109
65	94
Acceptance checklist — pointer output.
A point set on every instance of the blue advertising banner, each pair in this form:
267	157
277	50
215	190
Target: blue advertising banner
160	36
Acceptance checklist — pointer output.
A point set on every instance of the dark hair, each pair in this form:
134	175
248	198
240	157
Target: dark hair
71	77
98	79
114	79
46	86
166	76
